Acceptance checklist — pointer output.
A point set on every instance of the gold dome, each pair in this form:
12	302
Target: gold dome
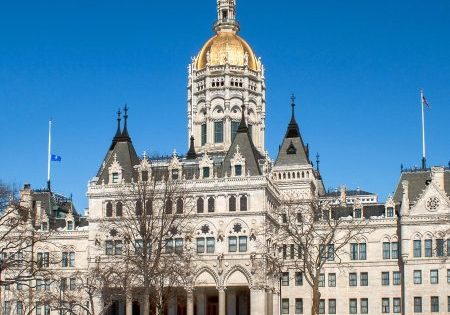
226	46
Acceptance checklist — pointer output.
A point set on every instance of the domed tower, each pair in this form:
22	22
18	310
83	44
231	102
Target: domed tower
225	75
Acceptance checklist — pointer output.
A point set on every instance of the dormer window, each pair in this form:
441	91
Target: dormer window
238	170
390	212
206	172
115	178
144	176
44	226
358	213
69	225
175	173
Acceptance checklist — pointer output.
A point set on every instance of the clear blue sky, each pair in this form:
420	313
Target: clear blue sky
356	68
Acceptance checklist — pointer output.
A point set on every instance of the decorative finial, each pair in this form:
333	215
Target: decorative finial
318	161
191	154
125	135
401	168
293	103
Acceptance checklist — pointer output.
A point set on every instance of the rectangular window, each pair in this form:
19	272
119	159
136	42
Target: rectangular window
285	279
435	304
72	284
242	243
358	213
68	258
19	308
232	244
284	306
331	306
439	247
394	250
322	306
115	178
206	172
203	131
448	275
353	306
364	279
448	304
117	247
7	307
218	132
390	212
448	247
385	278
386	250
298	306
43	259
417	276
169	245
397	305
234	128
38	309
292	251
331	279
428	248
322	280
63	284
385	308
434	276
417	248
298	278
210	245
200	245
352	279
396	278
354	251
362	251
417	304
179	243
238	170
364	306
330	252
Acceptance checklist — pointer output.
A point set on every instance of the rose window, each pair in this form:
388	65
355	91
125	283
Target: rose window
432	203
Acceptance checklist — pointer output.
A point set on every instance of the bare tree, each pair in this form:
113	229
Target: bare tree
147	238
310	236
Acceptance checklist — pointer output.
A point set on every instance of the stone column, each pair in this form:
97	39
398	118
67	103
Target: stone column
231	302
129	303
269	301
222	301
190	301
257	302
201	303
172	306
276	303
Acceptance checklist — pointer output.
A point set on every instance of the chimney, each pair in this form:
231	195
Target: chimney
437	176
404	210
343	196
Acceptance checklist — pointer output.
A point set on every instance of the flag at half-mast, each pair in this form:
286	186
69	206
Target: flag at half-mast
424	101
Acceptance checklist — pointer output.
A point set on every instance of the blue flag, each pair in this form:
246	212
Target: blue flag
56	158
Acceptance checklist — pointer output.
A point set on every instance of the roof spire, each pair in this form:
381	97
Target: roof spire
243	126
118	134
125	135
318	161
293	131
191	154
226	16
293	106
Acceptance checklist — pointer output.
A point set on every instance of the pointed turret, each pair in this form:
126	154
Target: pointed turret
243	146
191	154
121	157
292	150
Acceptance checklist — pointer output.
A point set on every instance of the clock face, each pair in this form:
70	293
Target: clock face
432	203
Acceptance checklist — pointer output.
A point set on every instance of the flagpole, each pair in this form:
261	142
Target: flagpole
424	157
49	153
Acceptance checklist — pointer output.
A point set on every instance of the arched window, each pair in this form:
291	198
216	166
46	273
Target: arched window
149	207
200	205
169	206
109	210
211	204
138	207
180	205
119	208
243	203
232	203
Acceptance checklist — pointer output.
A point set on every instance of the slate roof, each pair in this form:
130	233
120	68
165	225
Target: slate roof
349	193
246	148
292	150
418	180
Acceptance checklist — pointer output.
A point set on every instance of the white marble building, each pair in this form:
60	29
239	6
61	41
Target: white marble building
402	267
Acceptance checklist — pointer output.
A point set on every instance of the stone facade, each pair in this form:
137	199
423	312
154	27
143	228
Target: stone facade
405	266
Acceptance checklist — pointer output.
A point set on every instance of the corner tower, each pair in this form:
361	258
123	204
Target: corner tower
225	75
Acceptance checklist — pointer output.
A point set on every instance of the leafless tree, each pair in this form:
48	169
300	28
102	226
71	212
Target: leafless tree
147	238
309	236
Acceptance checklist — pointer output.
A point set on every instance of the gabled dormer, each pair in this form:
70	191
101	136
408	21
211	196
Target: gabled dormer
206	166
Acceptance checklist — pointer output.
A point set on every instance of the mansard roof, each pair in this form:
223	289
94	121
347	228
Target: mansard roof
418	179
292	150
